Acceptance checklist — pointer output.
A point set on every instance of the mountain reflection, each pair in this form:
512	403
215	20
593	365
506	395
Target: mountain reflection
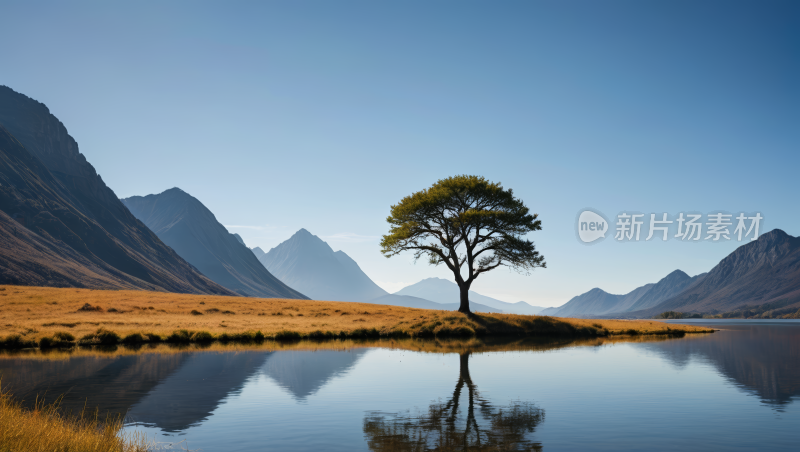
304	372
173	388
760	358
192	392
109	383
448	426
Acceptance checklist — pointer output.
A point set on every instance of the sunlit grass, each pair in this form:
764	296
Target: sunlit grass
45	429
57	317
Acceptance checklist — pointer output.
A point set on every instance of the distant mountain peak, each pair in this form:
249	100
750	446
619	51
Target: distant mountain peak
678	272
775	233
192	230
309	264
771	239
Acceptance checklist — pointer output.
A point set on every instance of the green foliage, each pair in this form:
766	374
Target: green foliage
785	308
678	315
465	222
669	315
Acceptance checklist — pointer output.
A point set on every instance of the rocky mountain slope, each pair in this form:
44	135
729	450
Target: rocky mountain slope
189	228
69	227
763	271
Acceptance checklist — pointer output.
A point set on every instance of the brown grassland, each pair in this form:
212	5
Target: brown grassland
52	317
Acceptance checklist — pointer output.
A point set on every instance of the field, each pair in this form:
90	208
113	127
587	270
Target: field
63	316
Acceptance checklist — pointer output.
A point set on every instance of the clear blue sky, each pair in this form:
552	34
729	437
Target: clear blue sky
282	115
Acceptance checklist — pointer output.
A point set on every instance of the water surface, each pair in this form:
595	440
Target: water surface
736	389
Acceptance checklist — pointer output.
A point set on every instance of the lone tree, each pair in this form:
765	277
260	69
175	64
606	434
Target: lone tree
465	222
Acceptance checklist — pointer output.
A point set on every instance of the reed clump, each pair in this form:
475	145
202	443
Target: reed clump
45	429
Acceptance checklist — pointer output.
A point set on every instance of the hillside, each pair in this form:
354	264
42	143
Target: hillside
189	228
672	285
69	228
763	271
598	302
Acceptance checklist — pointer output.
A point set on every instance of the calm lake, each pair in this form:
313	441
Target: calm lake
736	389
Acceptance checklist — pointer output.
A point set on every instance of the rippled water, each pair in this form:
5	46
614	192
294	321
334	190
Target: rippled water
736	389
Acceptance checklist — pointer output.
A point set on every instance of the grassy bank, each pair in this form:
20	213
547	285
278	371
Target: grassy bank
56	317
45	429
436	345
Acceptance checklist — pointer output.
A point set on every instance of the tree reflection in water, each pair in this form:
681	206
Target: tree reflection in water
444	427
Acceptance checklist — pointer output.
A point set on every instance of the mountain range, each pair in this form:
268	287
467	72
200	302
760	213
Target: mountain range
308	264
189	228
765	271
599	302
62	226
447	292
762	272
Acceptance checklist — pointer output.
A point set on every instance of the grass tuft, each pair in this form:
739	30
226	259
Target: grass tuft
45	428
133	338
100	337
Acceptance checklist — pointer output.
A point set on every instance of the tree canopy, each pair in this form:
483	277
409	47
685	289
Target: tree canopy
466	223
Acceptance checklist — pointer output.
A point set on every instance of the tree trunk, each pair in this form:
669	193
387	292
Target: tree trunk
464	300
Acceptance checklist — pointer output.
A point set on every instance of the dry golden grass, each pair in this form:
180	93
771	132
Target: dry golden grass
44	429
30	314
